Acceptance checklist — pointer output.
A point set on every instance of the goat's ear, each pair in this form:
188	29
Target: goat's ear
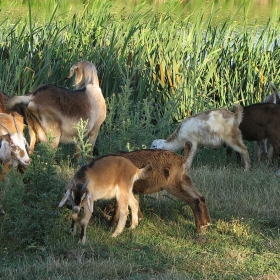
158	144
89	202
28	147
65	197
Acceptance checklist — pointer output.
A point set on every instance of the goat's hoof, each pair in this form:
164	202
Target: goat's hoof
133	226
82	242
115	234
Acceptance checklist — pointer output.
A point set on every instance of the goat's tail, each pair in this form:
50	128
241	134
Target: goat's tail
144	172
238	110
274	89
11	102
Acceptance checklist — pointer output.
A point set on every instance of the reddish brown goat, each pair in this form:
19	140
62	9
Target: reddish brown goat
169	174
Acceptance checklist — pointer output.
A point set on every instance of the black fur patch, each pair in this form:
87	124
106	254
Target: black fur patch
166	173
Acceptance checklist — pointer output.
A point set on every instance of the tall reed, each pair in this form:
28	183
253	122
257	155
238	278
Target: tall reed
166	56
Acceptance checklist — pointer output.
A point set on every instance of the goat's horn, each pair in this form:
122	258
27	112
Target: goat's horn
15	124
85	185
74	183
8	130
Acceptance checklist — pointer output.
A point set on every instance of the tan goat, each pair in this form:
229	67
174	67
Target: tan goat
211	129
106	177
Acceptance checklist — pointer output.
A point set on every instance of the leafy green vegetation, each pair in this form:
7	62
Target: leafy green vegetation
155	69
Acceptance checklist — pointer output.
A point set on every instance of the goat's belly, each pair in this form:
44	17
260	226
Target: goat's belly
69	131
212	143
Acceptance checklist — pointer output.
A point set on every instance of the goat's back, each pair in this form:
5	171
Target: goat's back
167	168
205	128
260	121
109	172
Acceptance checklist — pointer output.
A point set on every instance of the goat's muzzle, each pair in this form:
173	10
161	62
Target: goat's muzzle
76	209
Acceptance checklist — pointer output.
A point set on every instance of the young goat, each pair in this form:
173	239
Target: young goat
212	129
57	110
169	174
86	73
104	178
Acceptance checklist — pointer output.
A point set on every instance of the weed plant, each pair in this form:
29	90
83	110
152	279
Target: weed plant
154	70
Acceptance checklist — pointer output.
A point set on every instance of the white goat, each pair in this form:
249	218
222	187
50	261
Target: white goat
212	129
104	178
57	110
86	73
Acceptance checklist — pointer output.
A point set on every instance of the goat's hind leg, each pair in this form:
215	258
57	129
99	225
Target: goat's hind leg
122	199
134	205
242	149
84	224
116	214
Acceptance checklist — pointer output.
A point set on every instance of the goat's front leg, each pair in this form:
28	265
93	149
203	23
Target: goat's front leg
74	223
190	155
84	224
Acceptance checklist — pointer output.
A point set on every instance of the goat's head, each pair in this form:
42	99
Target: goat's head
158	143
77	193
18	145
72	71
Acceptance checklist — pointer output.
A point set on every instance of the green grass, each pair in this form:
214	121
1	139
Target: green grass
154	70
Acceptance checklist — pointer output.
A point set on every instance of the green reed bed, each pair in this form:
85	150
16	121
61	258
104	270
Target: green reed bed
166	56
154	68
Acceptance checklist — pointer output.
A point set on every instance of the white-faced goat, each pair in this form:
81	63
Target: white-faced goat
211	129
56	110
86	73
169	174
263	149
106	177
13	144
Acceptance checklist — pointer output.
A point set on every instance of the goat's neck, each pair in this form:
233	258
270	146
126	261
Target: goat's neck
173	145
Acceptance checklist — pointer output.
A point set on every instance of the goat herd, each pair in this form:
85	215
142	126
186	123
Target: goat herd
57	110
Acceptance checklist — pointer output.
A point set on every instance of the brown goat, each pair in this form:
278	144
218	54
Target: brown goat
263	149
57	110
169	174
262	121
104	178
